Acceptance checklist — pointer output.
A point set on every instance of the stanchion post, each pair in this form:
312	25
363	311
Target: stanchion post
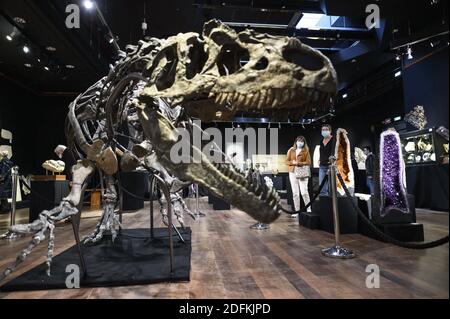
337	251
197	213
15	180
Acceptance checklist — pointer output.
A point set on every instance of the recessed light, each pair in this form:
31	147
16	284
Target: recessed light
19	20
46	68
26	49
50	49
70	66
88	4
28	65
344	96
9	38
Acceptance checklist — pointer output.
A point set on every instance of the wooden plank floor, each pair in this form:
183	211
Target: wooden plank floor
231	261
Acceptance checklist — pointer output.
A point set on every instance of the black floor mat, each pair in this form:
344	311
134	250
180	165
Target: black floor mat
133	259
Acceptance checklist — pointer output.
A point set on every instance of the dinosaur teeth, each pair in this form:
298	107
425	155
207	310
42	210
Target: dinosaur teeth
270	97
248	100
241	99
277	98
222	98
262	99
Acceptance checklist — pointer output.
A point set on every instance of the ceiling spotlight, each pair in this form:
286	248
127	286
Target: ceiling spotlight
398	57
28	65
70	66
398	74
9	38
409	52
26	49
46	68
345	95
88	4
50	49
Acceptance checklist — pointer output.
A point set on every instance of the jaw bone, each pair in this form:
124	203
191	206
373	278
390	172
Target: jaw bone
259	202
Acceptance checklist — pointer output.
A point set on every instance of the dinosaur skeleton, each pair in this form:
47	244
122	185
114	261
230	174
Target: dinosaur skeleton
129	119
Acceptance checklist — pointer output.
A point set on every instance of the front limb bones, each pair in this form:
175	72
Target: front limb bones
179	207
110	219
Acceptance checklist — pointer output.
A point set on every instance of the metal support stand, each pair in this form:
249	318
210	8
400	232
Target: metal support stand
260	226
166	193
15	180
337	251
152	193
197	213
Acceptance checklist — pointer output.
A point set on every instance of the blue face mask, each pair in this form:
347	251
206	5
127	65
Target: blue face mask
300	144
326	134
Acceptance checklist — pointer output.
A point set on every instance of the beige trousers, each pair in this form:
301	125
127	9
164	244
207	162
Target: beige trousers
299	188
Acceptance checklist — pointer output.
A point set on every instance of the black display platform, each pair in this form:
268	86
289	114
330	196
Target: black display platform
133	259
218	203
347	216
46	195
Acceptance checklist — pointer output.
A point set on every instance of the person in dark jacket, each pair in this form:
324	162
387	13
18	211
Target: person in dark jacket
327	146
370	169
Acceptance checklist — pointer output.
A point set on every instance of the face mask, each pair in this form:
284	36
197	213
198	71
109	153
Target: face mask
300	144
326	134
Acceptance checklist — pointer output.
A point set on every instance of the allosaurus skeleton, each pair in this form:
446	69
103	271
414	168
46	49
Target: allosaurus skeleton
131	118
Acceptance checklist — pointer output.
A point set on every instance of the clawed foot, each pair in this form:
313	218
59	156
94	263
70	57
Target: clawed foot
109	222
179	207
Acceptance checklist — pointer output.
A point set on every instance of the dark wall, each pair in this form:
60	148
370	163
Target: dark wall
426	83
363	123
37	124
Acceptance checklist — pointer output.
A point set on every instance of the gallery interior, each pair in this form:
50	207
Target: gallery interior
204	149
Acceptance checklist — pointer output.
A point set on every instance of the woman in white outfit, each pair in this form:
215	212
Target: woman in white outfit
299	156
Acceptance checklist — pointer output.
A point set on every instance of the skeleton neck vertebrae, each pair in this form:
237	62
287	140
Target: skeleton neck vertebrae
129	118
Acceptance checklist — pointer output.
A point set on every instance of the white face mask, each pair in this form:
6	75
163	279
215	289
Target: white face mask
300	144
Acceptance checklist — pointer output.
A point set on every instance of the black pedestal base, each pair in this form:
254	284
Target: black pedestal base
411	232
309	220
218	203
322	215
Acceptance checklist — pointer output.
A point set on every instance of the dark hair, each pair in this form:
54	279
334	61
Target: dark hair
328	126
367	148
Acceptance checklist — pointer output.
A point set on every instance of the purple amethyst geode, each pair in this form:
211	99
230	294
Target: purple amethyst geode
392	174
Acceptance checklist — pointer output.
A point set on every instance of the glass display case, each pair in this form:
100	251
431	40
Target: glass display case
424	147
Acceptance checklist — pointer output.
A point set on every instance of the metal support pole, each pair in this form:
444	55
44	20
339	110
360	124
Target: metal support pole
260	226
15	180
152	198
197	213
166	193
337	251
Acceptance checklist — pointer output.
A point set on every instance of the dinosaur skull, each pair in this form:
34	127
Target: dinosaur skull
223	72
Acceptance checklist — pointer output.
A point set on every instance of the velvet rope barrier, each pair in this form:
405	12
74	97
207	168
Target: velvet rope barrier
384	236
304	209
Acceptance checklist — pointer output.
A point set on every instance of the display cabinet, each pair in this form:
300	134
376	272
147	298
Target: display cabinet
424	147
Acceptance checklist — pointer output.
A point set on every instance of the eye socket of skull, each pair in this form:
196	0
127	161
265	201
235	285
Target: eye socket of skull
231	59
304	59
165	72
197	58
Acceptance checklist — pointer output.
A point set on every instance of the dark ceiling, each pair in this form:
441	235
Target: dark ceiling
81	56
